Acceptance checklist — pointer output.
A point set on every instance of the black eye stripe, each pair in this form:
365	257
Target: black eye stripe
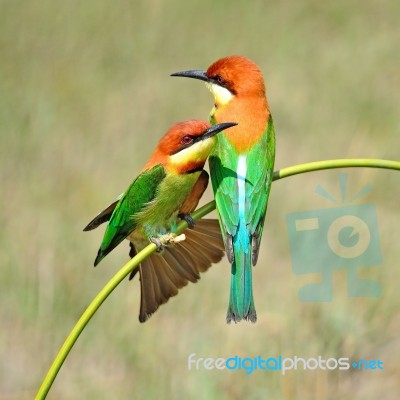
218	78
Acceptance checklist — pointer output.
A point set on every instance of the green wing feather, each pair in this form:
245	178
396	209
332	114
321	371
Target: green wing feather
122	221
259	178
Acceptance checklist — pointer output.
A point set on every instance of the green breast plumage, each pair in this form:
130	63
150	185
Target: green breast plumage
159	215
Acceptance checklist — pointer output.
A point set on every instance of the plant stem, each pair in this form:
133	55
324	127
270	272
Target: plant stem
201	212
340	163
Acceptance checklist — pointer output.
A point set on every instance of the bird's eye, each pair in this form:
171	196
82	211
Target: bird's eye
187	140
219	79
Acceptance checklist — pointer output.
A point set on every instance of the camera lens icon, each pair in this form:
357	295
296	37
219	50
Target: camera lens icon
330	239
348	236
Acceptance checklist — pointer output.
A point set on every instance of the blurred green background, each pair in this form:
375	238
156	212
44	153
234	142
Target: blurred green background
85	94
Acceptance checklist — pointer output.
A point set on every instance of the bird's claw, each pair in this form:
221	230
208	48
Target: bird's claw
188	218
160	245
165	240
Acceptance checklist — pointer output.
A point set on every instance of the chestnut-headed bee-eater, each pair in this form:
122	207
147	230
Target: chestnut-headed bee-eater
169	187
241	168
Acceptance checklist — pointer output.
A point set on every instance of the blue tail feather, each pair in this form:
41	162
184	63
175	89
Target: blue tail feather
241	303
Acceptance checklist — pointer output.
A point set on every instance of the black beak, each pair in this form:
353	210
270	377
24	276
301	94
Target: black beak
214	129
196	74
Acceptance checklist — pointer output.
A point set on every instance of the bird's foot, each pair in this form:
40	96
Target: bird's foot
158	243
167	239
188	218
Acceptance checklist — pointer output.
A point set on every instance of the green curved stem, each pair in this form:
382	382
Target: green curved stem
201	212
331	164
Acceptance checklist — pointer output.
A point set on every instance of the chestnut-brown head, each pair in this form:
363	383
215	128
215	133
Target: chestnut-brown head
228	77
186	146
